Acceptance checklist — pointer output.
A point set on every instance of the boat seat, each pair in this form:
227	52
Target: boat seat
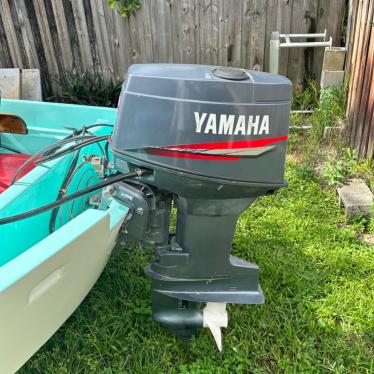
9	165
11	162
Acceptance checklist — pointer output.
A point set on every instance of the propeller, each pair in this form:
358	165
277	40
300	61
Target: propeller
214	317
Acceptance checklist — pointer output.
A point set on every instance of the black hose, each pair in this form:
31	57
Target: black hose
43	151
73	196
68	139
62	191
72	148
83	128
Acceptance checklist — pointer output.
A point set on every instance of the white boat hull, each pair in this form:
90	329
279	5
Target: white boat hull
43	286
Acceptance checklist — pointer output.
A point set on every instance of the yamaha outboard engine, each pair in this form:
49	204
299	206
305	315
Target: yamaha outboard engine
213	139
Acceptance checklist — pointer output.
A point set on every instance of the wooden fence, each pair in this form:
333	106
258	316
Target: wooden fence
360	71
81	35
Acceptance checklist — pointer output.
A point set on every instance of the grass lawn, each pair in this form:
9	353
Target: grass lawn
318	317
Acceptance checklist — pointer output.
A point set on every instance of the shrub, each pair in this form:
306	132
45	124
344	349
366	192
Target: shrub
124	7
88	88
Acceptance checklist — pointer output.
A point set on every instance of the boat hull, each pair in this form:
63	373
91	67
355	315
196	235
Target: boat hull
43	286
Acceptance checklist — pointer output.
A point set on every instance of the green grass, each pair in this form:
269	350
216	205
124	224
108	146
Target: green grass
318	317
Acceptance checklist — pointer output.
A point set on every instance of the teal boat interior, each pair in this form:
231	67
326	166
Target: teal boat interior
47	123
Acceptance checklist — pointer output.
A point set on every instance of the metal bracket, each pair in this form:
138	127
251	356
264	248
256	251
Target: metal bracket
276	42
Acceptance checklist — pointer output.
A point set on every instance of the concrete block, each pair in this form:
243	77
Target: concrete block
356	198
31	85
332	78
10	83
333	132
334	58
368	239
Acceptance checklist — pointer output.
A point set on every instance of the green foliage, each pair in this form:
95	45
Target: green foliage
318	316
330	110
308	99
344	166
124	7
364	169
339	169
328	107
88	88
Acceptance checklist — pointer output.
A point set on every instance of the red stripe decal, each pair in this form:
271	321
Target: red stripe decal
232	145
211	146
195	156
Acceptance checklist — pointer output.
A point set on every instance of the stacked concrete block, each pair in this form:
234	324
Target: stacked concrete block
22	84
10	86
333	67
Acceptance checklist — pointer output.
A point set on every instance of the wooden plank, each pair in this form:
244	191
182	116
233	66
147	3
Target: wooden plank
206	11
102	39
120	47
350	98
59	52
323	19
284	26
176	31
214	32
334	26
369	121
27	35
329	15
82	33
112	40
271	25
161	30
5	58
46	79
73	37
304	14
253	34
188	31
357	83
370	124
352	15
63	34
92	35
124	49
10	34
42	19
366	72
230	34
141	34
18	34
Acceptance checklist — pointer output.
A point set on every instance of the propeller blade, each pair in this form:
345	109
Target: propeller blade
214	317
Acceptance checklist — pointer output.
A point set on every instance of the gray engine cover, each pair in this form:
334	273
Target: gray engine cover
186	120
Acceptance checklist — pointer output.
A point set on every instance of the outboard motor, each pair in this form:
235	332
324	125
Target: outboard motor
214	139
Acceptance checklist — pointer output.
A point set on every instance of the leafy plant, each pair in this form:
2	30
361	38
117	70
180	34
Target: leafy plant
340	169
308	99
124	7
88	88
330	110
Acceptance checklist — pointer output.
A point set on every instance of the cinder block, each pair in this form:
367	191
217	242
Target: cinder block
332	78
31	85
10	83
356	198
334	58
333	132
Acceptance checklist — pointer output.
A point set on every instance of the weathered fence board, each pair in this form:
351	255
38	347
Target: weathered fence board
85	35
360	71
